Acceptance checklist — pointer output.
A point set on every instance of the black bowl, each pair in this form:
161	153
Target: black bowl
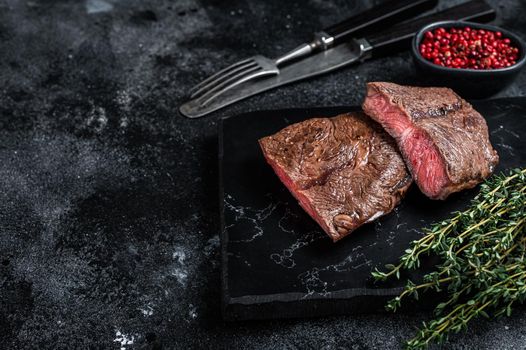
470	83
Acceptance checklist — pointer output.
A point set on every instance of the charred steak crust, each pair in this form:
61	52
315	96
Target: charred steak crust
451	137
344	171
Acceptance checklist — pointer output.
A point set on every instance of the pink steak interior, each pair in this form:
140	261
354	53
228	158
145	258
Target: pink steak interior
298	194
424	160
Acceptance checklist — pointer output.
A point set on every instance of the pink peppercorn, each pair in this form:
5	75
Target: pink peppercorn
468	48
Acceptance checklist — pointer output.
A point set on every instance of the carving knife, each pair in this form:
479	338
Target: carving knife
382	43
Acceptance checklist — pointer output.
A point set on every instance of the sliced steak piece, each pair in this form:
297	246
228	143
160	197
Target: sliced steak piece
443	140
344	171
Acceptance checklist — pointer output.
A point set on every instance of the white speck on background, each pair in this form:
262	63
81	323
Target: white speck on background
123	339
123	122
192	312
147	310
179	255
212	245
124	99
180	271
96	6
97	119
181	275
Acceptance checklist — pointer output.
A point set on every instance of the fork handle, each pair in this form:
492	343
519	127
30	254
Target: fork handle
377	17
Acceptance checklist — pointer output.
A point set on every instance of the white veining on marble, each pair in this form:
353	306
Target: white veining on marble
508	148
512	133
501	128
497	130
285	258
497	134
313	281
238	256
253	216
282	223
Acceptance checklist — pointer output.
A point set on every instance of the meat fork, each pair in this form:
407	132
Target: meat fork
260	66
356	49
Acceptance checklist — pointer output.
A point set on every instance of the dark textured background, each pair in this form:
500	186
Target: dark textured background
108	210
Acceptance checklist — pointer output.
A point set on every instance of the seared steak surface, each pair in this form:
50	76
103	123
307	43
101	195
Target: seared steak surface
344	171
443	140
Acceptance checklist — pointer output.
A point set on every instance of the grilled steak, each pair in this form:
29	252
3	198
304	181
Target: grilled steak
344	171
443	140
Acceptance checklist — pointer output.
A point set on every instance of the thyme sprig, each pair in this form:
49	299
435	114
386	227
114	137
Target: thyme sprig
482	266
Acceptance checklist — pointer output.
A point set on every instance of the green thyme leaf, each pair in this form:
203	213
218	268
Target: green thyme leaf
482	253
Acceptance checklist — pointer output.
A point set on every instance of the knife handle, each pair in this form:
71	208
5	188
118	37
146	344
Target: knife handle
398	37
377	17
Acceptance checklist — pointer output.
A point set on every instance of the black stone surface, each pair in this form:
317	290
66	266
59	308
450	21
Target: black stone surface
278	263
109	225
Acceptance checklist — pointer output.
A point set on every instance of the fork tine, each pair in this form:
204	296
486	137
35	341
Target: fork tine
222	77
217	74
230	83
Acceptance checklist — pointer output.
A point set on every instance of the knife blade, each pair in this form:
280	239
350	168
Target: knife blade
356	50
311	66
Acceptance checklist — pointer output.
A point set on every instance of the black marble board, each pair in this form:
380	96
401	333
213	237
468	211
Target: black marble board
277	262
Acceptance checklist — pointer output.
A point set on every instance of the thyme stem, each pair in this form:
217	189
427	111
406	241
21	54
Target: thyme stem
481	250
